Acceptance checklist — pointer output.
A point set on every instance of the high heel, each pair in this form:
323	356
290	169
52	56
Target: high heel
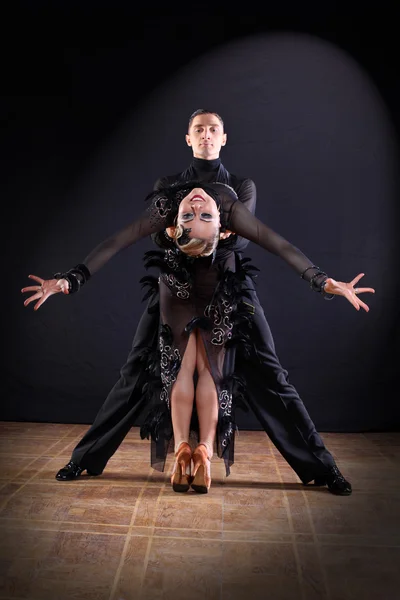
201	480
181	478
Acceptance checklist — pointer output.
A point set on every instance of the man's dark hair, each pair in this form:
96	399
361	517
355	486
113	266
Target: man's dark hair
203	111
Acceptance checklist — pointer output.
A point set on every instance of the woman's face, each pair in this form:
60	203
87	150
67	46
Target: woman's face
199	212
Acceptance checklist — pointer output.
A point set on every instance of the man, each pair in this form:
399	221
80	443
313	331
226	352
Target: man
273	400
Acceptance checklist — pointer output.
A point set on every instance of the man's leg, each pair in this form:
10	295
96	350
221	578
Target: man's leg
121	408
281	411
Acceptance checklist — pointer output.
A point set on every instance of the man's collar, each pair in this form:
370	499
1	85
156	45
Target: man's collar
206	165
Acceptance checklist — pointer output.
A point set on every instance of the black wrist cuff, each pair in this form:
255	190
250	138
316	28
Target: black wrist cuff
76	277
325	294
83	270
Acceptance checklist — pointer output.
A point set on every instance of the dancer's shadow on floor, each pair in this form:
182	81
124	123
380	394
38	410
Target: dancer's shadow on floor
115	478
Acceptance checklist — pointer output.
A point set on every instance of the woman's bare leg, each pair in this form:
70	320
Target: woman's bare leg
182	394
206	399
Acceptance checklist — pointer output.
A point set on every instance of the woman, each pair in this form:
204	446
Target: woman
202	319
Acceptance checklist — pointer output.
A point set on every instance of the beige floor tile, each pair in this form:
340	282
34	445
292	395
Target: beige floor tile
254	570
134	449
360	572
28	447
363	514
265	473
117	471
147	507
271	518
247	451
178	569
22	468
38	430
190	512
287	474
250	496
312	576
43	565
391	453
132	569
299	512
67	526
381	476
72	503
188	533
252	437
63	449
263	535
8	489
384	438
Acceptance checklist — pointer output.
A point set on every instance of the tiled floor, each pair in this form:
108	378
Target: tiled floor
258	534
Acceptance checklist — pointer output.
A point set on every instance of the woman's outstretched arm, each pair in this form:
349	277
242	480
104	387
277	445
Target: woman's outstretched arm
240	220
153	219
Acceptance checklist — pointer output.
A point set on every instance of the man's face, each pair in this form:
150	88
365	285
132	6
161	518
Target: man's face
206	136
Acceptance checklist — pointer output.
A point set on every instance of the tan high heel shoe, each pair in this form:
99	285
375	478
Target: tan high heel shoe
181	477
201	480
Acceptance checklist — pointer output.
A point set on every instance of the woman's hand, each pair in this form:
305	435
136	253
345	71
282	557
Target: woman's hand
339	288
45	289
223	235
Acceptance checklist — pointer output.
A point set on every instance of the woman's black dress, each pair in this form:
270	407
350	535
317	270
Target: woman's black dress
208	294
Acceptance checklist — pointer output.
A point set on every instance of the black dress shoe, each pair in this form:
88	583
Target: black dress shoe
335	481
72	471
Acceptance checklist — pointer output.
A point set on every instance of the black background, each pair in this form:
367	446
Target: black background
77	80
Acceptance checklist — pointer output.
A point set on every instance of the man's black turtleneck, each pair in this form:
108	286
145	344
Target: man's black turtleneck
202	165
